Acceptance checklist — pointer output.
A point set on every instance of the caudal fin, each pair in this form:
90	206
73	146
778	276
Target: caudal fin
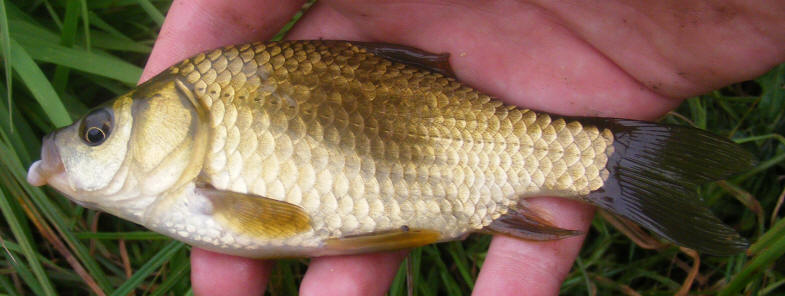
654	171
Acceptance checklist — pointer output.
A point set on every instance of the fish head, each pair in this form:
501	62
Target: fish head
83	158
121	156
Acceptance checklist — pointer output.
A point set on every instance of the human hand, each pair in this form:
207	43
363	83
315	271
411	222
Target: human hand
618	60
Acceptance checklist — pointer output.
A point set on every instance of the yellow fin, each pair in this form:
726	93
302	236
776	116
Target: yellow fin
528	224
402	238
255	215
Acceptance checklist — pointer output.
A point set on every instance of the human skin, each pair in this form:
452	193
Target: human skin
620	59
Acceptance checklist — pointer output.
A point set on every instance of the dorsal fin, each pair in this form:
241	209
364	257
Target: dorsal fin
411	56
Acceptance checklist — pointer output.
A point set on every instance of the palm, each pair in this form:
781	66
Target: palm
520	52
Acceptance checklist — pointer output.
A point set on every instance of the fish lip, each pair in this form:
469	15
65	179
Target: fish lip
50	165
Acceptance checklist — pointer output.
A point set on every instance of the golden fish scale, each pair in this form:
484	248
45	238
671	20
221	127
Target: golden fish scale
363	144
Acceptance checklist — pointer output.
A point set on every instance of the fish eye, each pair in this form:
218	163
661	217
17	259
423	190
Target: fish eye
96	127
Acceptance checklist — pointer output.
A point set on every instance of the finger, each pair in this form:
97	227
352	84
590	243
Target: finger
663	44
219	274
515	267
195	26
324	22
366	274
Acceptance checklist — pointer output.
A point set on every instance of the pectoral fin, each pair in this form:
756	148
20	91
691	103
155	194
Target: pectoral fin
411	56
384	241
255	215
527	224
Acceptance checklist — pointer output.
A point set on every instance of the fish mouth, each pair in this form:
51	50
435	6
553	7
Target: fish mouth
50	168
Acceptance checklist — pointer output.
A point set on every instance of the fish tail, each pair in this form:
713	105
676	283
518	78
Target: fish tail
654	171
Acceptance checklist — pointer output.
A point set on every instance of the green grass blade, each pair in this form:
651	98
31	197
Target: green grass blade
133	235
79	59
160	258
39	86
763	166
768	238
284	280
113	86
461	261
765	258
155	15
398	285
22	29
583	274
111	42
772	98
52	213
67	39
179	273
771	287
26	242
98	22
452	286
70	23
11	246
7	286
85	24
53	15
14	12
44	45
15	262
777	137
697	112
22	141
5	50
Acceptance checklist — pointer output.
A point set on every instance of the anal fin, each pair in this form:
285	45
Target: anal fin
254	215
402	238
527	224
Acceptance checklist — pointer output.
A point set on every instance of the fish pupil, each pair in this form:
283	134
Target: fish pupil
96	127
95	135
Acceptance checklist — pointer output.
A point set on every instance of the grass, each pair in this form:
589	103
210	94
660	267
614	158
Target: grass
62	57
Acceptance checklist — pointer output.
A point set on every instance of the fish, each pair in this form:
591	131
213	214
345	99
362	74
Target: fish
327	147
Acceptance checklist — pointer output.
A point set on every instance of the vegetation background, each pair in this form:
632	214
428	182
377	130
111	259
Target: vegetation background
60	58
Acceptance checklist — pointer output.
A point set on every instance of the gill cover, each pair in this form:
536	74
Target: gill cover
169	135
